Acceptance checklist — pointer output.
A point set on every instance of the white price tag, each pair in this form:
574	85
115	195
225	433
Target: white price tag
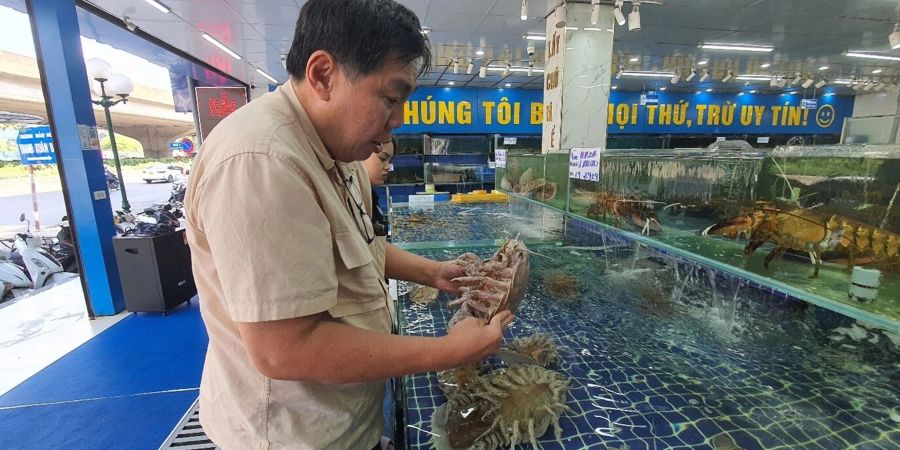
500	157
584	164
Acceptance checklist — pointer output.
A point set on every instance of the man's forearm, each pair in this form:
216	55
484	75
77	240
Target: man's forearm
335	353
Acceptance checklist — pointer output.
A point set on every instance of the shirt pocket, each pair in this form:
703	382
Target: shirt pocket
359	290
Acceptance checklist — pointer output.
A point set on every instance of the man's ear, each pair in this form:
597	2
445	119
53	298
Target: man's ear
322	73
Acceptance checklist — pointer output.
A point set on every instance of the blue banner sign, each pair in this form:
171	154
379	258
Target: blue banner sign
515	111
36	146
473	111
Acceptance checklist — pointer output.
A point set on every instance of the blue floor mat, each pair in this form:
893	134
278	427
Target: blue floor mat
141	353
134	422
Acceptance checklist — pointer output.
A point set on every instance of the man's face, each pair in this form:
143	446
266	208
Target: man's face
367	110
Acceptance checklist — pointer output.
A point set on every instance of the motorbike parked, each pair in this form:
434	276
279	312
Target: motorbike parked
26	256
112	181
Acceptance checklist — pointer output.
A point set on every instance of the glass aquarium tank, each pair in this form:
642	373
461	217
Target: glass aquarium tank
460	144
453	174
821	221
618	343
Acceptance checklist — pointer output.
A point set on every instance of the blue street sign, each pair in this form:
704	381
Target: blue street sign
36	146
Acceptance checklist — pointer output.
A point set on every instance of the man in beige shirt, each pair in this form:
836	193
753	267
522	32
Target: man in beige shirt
295	309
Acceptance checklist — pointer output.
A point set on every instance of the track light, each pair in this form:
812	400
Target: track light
728	77
868	86
617	13
806	84
455	66
796	79
705	76
482	72
506	69
524	15
894	37
691	75
675	78
821	84
595	11
619	72
470	68
634	18
530	69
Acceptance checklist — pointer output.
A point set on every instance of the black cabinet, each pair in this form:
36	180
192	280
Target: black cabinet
155	271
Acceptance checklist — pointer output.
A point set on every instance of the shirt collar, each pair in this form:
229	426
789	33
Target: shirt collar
309	131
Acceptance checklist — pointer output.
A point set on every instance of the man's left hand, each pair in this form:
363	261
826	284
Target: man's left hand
447	271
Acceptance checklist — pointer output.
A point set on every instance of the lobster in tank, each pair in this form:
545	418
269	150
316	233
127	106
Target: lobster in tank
637	213
809	231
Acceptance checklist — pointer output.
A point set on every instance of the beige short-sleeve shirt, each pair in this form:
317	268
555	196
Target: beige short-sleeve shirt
274	234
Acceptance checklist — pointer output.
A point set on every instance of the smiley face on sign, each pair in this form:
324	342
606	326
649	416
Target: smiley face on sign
825	116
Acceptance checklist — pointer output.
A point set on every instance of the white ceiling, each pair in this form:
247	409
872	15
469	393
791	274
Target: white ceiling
806	34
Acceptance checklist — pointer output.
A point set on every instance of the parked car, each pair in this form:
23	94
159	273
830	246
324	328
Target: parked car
162	172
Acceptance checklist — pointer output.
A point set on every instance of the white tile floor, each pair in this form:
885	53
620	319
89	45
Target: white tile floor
35	331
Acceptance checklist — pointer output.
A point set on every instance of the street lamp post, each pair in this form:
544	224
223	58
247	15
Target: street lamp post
118	85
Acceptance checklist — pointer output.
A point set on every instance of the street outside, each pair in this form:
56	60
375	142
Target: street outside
15	199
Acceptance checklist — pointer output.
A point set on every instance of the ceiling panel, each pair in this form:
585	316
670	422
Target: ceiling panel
806	33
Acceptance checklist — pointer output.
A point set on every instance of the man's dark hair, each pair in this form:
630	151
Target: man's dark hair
360	34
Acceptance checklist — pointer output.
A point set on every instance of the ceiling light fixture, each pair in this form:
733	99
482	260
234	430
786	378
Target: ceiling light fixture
824	68
703	63
663	88
754	77
619	72
872	56
894	37
708	89
479	52
634	59
162	8
737	47
221	46
470	68
425	31
766	66
728	77
535	37
614	87
691	75
269	77
530	69
513	69
752	91
508	84
524	15
506	69
796	79
647	74
876	71
455	66
821	84
617	13
451	83
847	82
482	72
675	78
705	76
634	18
809	82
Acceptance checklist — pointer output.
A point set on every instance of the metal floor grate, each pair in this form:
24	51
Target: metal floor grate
189	434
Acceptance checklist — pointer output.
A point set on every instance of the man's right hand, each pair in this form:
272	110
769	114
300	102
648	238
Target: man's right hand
474	340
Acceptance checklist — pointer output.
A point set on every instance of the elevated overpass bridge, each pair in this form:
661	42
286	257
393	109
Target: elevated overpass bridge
149	116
